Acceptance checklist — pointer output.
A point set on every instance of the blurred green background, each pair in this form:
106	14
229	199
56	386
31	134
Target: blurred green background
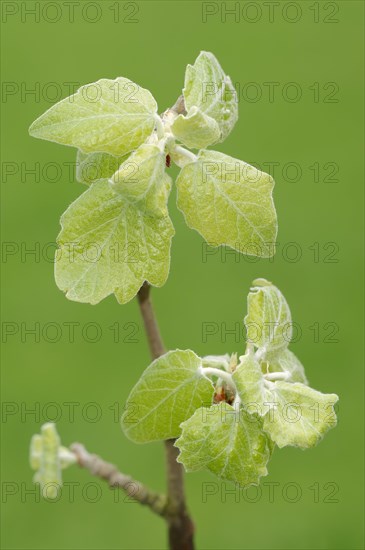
298	69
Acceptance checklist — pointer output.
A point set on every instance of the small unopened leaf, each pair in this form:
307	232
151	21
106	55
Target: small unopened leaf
142	180
91	167
228	442
229	202
196	130
168	392
110	116
249	381
298	415
268	321
217	361
48	458
211	91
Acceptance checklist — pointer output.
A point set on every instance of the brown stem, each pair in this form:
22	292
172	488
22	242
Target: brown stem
181	527
116	479
155	342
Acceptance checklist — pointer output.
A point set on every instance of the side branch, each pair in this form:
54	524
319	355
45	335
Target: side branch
134	489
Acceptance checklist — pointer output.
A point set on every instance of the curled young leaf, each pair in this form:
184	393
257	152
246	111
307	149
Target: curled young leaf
110	116
217	361
249	381
268	321
229	202
226	441
196	130
168	392
141	180
212	92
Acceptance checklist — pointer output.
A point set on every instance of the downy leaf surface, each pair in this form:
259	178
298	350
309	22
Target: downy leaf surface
229	203
229	443
92	167
268	321
114	239
168	392
196	130
110	116
209	89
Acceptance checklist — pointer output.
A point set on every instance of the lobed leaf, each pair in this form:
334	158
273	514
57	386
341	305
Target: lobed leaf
168	392
298	415
110	116
229	443
114	241
229	203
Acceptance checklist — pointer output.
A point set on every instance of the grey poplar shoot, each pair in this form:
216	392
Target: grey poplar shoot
225	414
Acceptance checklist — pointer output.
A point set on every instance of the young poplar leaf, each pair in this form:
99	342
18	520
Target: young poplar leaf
229	203
210	90
109	244
268	321
142	180
91	167
168	392
229	443
110	116
287	361
249	381
298	415
196	130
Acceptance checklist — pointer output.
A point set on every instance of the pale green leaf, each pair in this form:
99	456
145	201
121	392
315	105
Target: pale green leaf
111	244
210	90
268	321
196	130
287	361
228	202
142	180
91	167
228	442
110	116
168	392
298	415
